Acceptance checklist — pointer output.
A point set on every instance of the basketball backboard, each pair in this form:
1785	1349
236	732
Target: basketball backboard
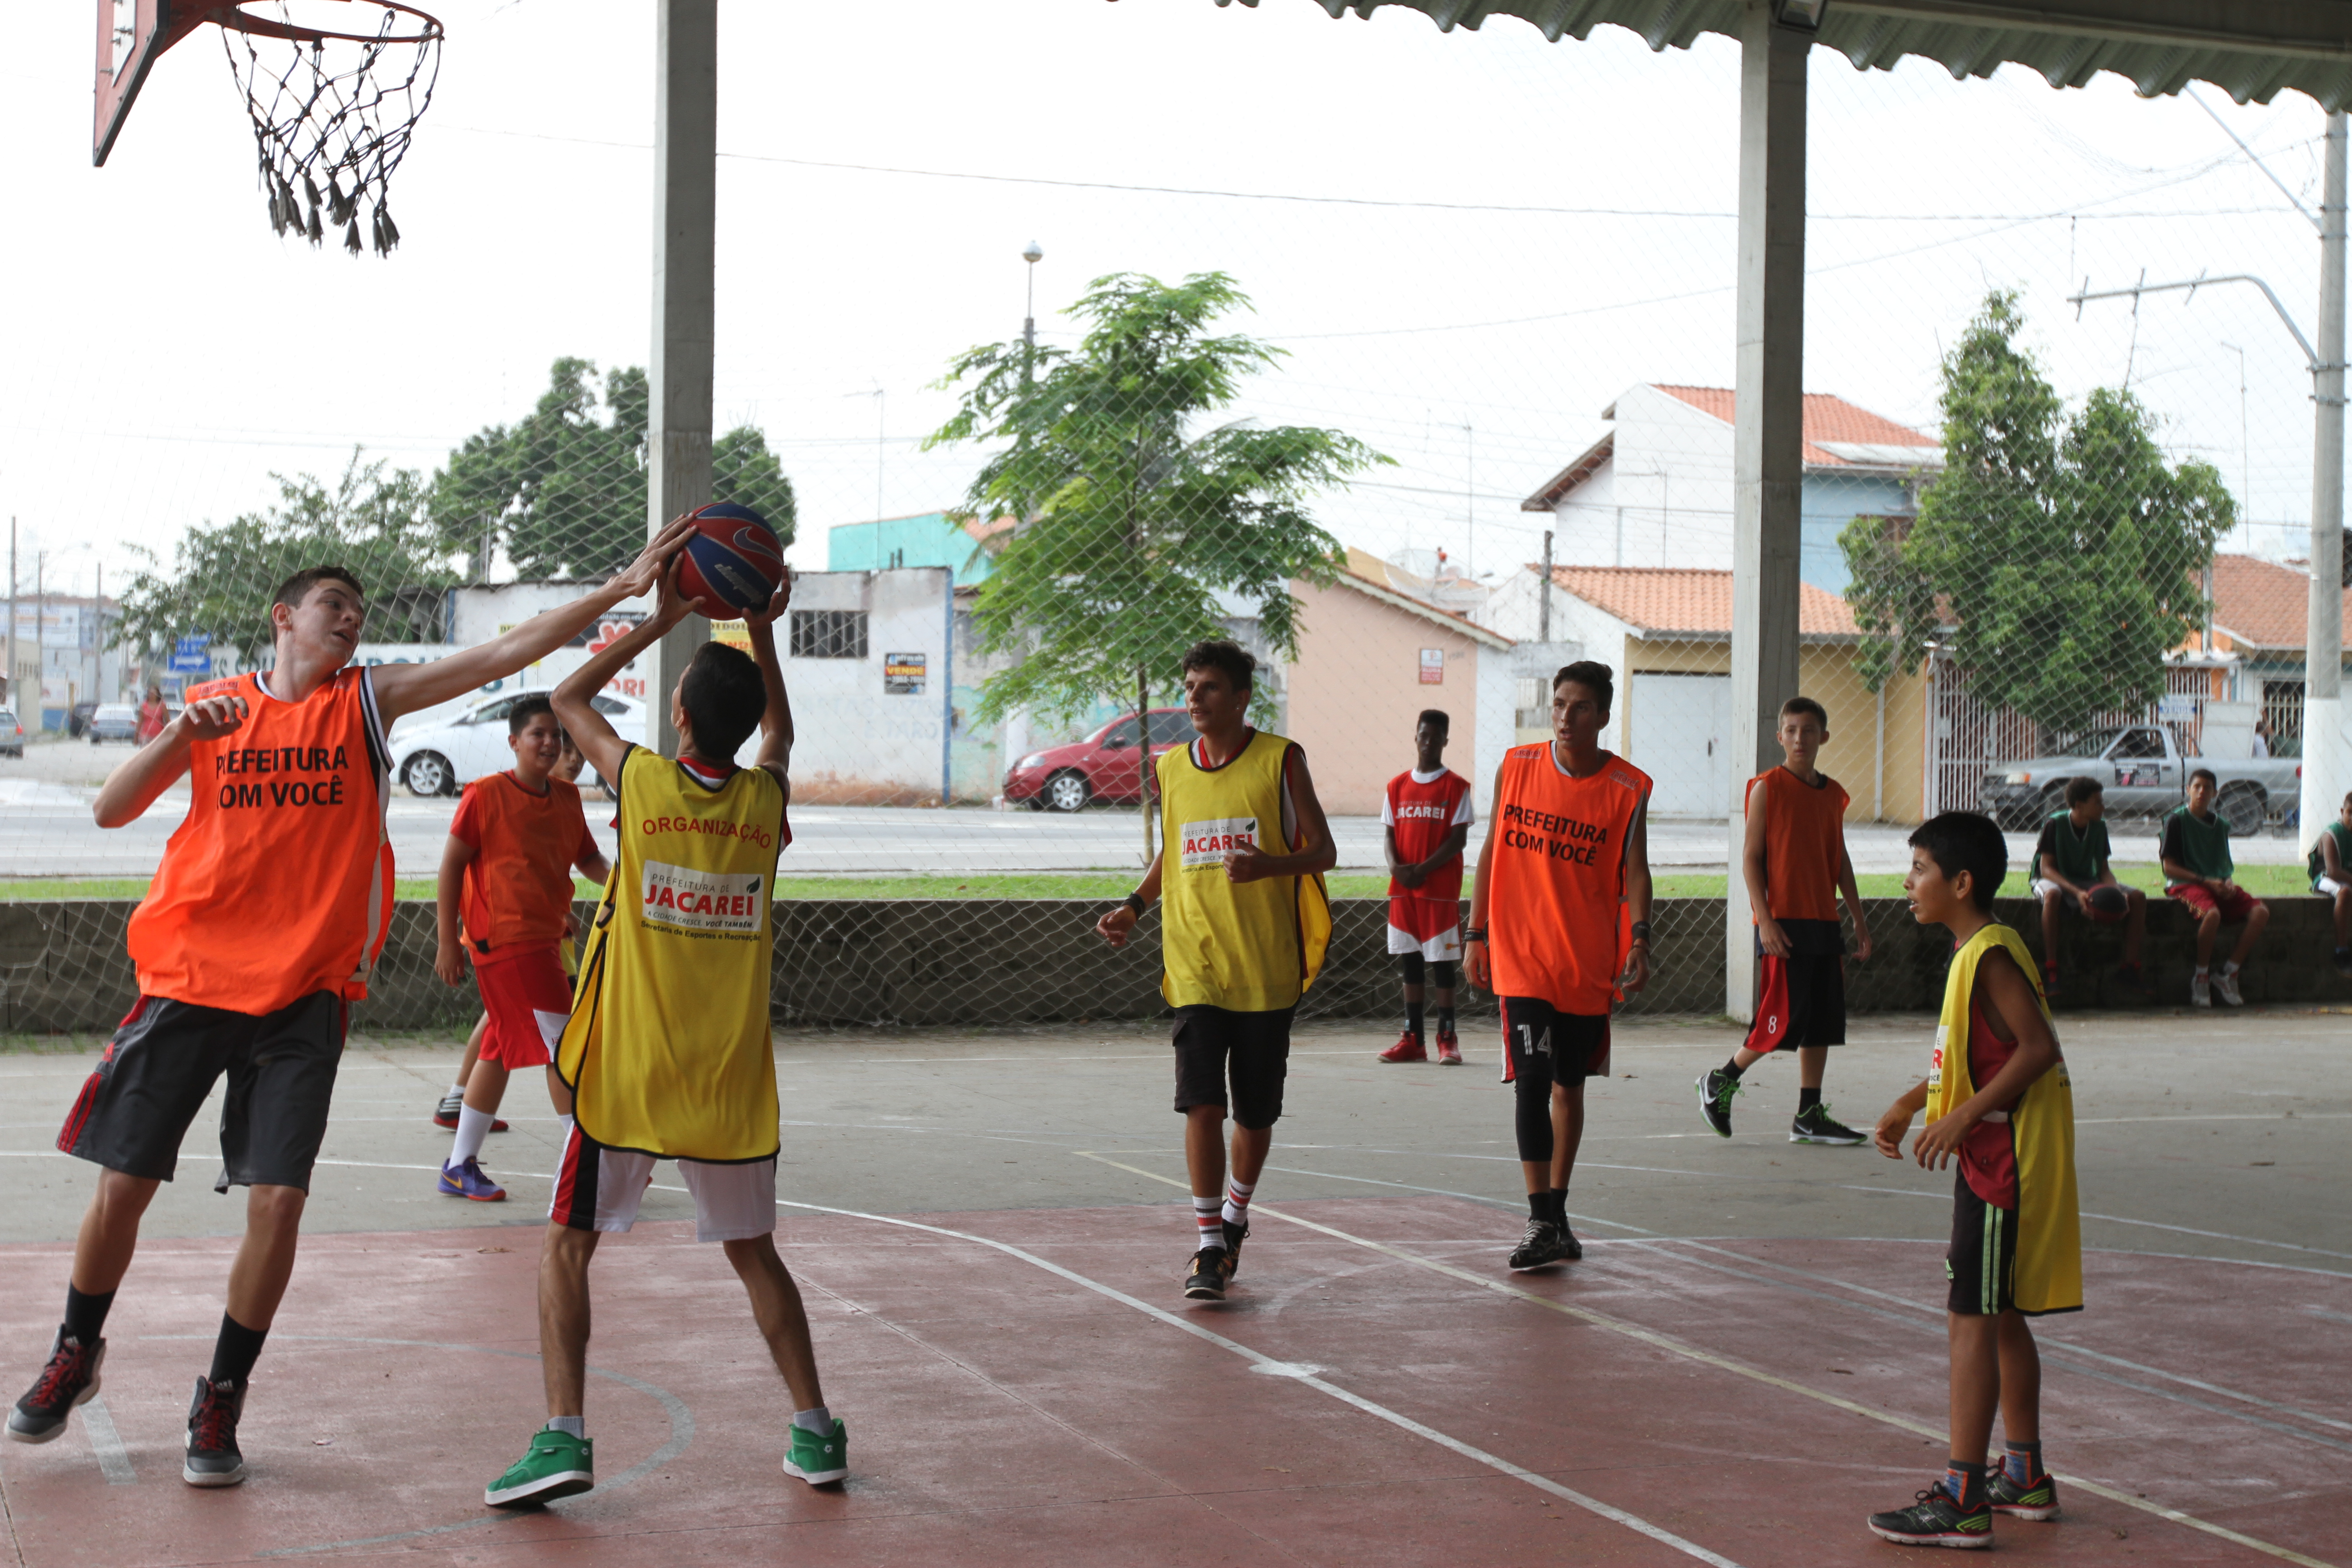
131	34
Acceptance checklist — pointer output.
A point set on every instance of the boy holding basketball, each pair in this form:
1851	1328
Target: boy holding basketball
1999	1106
668	1051
259	930
509	861
1793	857
2330	865
2200	872
2071	873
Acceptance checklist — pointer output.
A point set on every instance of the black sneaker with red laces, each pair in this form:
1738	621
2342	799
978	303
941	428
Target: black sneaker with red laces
69	1379
213	1458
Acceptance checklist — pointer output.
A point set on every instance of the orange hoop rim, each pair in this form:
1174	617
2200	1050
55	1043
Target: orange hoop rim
233	17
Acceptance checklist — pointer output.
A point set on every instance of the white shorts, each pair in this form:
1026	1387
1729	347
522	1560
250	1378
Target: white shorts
598	1188
2330	885
2042	887
1445	947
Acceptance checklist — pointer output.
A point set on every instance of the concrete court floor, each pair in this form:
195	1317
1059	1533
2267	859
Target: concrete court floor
1748	1360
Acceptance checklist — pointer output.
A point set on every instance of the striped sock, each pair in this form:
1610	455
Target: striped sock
1208	1215
1237	1197
2022	1462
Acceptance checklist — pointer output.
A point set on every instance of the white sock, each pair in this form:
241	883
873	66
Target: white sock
1209	1219
2200	972
819	1421
1237	1197
458	1089
473	1126
2231	967
576	1426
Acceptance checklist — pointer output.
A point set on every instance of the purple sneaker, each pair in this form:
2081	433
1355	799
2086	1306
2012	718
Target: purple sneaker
467	1181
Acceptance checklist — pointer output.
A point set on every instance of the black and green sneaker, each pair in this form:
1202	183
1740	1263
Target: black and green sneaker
2036	1500
1936	1519
1715	1088
1814	1124
556	1465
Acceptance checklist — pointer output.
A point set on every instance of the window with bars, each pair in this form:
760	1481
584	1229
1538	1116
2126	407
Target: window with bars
828	633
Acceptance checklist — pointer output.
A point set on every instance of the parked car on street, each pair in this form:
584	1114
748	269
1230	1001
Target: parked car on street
1102	767
77	718
12	733
2145	773
441	758
113	722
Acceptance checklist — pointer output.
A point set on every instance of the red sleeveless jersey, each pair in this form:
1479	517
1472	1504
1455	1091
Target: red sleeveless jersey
1555	899
1421	815
279	882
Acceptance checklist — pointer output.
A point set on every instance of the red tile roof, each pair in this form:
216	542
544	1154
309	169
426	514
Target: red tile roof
2260	603
1667	601
1828	417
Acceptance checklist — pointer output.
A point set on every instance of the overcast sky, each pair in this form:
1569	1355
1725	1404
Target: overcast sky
165	352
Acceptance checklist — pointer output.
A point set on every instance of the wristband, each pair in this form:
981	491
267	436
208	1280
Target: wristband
1641	930
1135	901
1477	935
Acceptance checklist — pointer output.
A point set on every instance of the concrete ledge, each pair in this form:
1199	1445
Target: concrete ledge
980	962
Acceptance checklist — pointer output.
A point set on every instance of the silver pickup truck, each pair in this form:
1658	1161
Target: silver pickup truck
2145	774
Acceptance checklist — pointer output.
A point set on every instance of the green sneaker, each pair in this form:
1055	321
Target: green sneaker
556	1465
818	1459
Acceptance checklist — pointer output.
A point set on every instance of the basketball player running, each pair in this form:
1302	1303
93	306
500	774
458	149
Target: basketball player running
668	1051
260	928
1425	821
1241	940
1560	921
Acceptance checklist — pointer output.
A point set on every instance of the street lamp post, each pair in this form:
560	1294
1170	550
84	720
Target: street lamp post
1032	255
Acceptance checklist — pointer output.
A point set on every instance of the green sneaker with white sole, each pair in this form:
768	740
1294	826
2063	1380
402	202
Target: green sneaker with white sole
556	1465
818	1457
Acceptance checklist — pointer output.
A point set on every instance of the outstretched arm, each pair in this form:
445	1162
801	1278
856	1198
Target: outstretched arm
406	687
591	730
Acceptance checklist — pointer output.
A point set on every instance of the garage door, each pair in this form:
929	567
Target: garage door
1682	739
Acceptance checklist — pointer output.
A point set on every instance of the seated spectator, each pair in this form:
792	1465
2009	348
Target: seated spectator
2070	872
2330	865
2198	871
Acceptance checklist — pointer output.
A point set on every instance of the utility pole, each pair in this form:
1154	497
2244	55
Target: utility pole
14	699
1034	254
1543	601
40	632
2323	769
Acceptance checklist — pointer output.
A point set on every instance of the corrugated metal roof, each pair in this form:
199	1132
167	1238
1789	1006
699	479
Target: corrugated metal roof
2251	49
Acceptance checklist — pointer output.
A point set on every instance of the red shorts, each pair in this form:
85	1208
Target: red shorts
2235	905
529	1000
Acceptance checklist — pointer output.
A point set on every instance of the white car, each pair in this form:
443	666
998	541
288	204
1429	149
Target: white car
438	758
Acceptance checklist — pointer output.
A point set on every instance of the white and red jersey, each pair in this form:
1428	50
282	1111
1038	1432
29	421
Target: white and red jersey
1420	810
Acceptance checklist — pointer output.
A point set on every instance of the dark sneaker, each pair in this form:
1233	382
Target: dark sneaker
1570	1248
2134	980
69	1379
1540	1248
1234	1235
556	1465
467	1181
1715	1088
1408	1048
444	1115
1936	1520
1206	1281
1449	1046
819	1460
213	1458
2036	1500
1815	1125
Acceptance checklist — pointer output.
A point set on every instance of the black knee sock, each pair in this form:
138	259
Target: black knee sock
86	1315
1558	1203
1415	1015
235	1351
1445	1017
1807	1099
1731	1069
1539	1205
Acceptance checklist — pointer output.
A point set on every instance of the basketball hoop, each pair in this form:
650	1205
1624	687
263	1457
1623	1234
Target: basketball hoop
331	111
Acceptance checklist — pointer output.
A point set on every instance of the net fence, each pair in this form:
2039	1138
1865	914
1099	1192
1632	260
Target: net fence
2039	541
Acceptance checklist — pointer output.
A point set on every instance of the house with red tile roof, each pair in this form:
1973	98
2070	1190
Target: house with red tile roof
1655	491
2261	611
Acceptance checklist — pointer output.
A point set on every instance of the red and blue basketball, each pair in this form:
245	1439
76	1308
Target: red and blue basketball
733	558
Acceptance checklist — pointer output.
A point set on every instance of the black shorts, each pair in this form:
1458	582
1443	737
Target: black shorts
1252	1049
1546	1044
1982	1263
162	1064
1802	1002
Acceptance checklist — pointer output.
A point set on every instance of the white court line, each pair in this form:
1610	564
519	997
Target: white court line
2149	1224
1474	1197
113	1458
1756	1373
1259	1362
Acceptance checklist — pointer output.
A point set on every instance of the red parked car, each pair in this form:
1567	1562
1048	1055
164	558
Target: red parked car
1100	767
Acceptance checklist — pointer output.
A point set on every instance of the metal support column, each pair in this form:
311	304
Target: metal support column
686	177
2325	772
1768	465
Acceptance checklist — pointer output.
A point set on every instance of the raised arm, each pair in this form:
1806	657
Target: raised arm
406	687
776	722
572	697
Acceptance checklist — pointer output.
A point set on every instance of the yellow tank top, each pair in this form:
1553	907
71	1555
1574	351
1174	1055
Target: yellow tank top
668	1051
1252	947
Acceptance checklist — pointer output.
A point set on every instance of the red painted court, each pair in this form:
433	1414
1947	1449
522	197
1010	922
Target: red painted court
1028	1386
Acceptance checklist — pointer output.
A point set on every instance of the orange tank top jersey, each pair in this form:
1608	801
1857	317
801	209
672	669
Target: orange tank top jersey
279	882
519	883
1557	885
1804	844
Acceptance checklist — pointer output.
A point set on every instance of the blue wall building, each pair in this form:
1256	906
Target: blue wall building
929	539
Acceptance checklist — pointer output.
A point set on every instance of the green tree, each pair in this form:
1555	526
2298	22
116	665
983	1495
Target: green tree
563	488
1137	513
371	520
2056	557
